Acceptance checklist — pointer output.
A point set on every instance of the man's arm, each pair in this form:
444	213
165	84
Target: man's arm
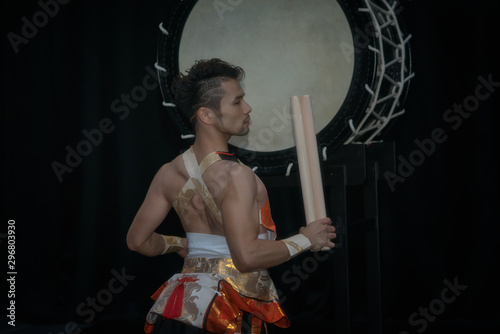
240	214
141	236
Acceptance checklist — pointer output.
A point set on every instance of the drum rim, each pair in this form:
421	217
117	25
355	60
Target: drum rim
333	135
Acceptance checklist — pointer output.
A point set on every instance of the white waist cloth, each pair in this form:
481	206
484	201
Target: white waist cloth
210	245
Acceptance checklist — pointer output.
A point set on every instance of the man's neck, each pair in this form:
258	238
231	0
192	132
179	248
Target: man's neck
203	145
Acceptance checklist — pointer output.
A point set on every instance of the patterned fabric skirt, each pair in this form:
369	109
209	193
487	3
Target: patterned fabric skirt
213	295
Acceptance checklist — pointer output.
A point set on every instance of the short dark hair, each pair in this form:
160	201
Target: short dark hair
201	85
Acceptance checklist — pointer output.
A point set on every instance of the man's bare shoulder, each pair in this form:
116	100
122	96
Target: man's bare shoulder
238	170
172	169
227	174
229	167
175	165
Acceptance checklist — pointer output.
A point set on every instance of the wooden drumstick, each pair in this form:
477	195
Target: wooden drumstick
304	172
308	159
313	157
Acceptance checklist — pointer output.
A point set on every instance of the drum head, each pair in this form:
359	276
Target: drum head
286	47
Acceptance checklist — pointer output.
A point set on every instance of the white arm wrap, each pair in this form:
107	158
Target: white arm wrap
297	244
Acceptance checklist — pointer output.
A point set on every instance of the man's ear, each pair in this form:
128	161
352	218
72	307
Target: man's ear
205	115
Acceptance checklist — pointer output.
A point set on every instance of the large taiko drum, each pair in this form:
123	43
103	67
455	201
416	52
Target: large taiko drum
351	56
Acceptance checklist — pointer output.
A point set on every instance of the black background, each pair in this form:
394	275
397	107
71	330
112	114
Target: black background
441	223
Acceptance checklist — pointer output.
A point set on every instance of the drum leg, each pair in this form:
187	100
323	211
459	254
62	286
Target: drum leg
353	169
373	250
338	212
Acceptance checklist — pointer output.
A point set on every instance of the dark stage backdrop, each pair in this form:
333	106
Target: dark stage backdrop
83	80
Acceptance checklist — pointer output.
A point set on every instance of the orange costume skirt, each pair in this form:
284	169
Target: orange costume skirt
212	294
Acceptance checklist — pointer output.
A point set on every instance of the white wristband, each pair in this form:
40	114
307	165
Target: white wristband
297	244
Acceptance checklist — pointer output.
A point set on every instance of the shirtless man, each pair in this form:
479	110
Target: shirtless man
224	210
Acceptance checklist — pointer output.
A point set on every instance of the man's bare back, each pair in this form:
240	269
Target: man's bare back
217	177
